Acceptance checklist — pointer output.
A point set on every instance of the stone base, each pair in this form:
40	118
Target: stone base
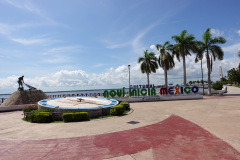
92	113
25	97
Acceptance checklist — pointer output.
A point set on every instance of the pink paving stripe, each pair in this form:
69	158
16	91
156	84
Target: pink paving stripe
173	138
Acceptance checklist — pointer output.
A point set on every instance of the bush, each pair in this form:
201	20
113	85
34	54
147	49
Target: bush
117	110
41	117
75	117
30	108
126	105
41	110
217	85
68	117
27	115
80	116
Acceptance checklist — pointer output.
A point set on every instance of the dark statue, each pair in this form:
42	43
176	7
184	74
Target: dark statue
21	82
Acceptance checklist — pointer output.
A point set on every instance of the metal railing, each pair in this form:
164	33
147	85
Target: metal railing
76	95
66	95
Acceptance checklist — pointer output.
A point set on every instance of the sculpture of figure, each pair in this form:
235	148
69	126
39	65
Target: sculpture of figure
20	83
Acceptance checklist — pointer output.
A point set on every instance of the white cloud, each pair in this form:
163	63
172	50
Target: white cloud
30	41
136	42
118	45
238	32
117	77
5	29
28	6
57	59
153	47
63	49
217	32
10	31
232	48
98	65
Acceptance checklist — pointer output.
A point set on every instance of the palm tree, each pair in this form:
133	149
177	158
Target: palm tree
212	50
184	44
239	57
199	56
165	59
148	63
198	82
190	83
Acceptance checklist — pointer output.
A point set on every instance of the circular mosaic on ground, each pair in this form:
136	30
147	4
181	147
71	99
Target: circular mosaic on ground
78	103
95	106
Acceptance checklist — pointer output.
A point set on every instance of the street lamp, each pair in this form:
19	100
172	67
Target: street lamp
129	74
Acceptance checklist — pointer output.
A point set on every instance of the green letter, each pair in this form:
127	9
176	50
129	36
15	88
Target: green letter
187	90
123	92
134	92
153	92
144	92
112	93
106	95
119	93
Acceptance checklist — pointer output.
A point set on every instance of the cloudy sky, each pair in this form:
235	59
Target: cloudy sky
87	44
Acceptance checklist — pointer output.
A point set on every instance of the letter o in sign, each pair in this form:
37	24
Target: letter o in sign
194	89
113	93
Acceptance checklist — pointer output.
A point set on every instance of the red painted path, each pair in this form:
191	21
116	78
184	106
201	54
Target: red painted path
173	138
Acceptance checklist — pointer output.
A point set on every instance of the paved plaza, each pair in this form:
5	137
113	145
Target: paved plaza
186	129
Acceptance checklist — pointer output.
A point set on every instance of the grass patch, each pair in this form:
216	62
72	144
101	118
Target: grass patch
58	122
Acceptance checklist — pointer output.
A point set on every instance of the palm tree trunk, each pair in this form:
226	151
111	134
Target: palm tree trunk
202	77
209	74
148	79
184	72
165	75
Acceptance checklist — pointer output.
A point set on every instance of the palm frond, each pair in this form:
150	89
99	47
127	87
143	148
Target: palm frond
218	40
207	36
217	52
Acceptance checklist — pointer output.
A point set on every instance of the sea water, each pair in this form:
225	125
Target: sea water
84	92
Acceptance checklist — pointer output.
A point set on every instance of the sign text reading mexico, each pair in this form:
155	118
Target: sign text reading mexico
151	91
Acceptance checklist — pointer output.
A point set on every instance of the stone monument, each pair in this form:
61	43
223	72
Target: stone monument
20	97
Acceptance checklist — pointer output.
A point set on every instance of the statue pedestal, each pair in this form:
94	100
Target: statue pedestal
25	97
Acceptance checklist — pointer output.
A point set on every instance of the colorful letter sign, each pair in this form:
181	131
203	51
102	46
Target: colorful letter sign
151	91
178	90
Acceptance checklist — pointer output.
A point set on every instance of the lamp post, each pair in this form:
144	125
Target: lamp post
129	74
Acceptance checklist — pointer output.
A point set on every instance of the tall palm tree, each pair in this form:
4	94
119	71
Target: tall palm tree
199	56
148	63
212	51
165	59
184	44
239	57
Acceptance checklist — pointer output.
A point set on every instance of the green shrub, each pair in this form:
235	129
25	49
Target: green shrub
30	108
126	105
41	110
27	115
217	85
75	117
68	117
80	116
117	110
41	117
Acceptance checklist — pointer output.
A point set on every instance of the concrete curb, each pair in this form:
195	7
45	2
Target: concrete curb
13	107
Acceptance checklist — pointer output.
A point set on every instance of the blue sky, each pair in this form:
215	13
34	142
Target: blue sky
87	44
